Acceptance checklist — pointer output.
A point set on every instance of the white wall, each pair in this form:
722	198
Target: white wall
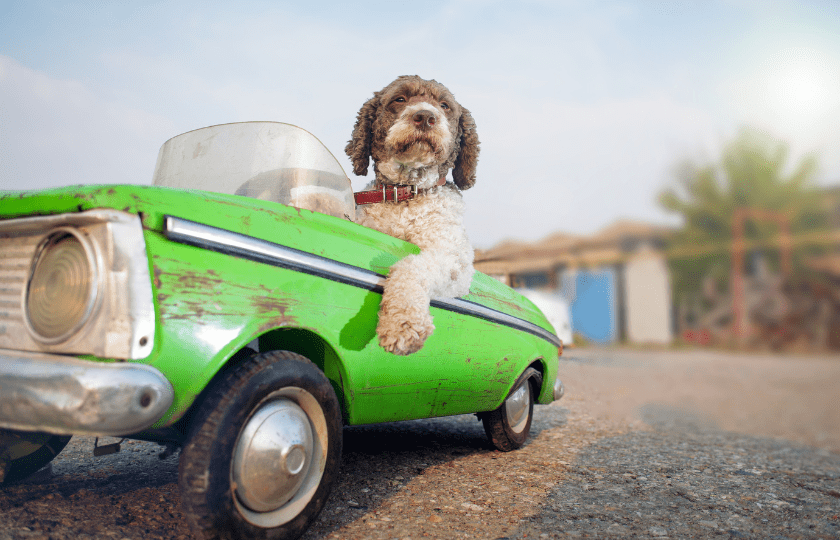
648	298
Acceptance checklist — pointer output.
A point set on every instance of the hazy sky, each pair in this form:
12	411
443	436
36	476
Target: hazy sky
583	108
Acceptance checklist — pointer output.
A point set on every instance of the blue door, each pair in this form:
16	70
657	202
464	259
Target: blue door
592	295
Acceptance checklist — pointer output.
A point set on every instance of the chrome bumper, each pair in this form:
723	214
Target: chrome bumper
559	390
67	396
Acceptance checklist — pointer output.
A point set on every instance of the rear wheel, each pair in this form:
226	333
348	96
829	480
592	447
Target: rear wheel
23	453
263	450
508	426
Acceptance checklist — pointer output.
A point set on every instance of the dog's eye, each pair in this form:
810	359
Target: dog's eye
444	105
399	100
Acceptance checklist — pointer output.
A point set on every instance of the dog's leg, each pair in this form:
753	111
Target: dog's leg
404	318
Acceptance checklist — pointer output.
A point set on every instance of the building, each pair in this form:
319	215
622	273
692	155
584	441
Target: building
616	281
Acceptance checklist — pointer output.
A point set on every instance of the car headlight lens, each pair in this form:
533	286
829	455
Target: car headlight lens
63	286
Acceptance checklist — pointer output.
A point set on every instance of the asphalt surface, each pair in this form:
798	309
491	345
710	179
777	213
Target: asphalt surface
644	445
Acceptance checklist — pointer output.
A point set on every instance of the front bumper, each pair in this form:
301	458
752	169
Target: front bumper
67	396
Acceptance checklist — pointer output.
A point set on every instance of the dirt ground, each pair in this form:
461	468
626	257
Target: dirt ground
644	445
796	398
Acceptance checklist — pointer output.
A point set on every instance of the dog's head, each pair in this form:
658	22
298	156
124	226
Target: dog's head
415	132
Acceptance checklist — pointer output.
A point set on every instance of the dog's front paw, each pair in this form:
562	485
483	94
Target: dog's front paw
404	336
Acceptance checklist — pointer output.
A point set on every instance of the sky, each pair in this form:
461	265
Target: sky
584	108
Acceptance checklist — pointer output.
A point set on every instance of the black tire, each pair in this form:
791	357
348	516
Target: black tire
508	434
24	453
215	504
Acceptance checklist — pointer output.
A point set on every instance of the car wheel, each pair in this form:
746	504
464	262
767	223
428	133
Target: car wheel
508	426
263	450
23	453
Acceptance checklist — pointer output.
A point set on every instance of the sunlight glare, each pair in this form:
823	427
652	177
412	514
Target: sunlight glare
803	85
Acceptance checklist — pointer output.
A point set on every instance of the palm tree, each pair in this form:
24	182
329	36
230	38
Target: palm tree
776	208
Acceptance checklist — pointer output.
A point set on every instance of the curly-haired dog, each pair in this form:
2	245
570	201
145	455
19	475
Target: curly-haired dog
415	132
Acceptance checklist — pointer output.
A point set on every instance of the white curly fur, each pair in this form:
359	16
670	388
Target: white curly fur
415	132
443	268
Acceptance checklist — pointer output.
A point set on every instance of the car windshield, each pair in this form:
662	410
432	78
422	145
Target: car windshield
270	161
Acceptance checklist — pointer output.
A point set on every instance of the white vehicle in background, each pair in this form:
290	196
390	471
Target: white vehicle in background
555	308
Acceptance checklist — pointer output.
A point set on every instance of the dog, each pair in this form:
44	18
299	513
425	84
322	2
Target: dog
416	132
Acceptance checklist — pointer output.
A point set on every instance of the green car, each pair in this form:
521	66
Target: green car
230	309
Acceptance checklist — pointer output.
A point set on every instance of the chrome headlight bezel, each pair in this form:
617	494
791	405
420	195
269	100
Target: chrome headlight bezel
118	319
93	260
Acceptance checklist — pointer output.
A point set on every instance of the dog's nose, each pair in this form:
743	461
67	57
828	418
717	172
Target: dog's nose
424	119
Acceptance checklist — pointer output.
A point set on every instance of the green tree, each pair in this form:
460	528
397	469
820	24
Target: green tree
754	173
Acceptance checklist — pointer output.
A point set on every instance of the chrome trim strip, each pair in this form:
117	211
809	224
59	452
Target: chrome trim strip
248	247
466	307
68	396
240	245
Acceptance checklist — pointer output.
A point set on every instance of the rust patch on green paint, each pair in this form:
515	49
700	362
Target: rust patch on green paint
205	296
511	306
276	309
156	272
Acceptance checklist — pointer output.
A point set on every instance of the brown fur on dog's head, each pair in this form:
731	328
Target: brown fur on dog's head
388	130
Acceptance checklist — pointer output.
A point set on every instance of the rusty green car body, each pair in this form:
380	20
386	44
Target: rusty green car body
211	279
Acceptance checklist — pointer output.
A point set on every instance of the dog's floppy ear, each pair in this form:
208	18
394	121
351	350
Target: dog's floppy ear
464	171
358	148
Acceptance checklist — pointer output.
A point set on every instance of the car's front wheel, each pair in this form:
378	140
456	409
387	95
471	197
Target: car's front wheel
508	426
263	450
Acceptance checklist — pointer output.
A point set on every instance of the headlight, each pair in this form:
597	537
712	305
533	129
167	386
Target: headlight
63	286
76	283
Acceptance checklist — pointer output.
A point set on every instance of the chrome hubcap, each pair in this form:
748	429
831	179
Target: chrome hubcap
517	406
273	455
279	458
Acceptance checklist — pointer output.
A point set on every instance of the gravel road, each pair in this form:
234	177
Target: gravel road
644	445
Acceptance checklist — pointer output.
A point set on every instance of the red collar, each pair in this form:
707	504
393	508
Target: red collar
394	192
390	192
